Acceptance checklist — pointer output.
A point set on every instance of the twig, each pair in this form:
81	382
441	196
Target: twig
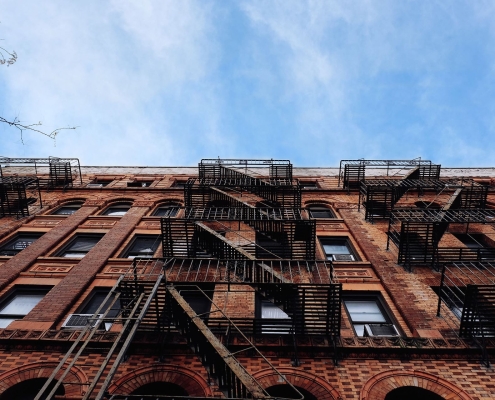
16	123
11	58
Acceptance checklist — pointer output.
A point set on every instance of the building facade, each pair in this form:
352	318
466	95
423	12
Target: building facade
247	279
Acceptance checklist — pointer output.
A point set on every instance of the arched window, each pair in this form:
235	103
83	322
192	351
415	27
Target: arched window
412	393
320	212
167	210
27	390
68	209
117	209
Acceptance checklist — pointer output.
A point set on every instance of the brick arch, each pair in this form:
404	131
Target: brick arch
44	370
113	200
318	387
318	202
379	385
168	200
194	383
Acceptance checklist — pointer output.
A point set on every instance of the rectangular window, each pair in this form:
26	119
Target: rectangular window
19	303
19	243
67	210
166	211
143	246
320	212
338	249
139	184
473	240
274	319
89	308
80	246
368	316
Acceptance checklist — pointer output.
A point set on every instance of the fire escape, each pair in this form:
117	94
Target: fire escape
241	228
468	290
21	183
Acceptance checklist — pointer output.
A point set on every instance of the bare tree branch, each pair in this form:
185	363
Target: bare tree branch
10	59
16	123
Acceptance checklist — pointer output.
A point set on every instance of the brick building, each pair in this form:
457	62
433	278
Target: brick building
246	279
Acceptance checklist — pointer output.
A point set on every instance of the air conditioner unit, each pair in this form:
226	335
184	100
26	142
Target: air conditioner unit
378	330
343	257
80	320
94	185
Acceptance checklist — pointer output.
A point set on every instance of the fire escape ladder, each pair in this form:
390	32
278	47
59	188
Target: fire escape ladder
81	342
60	174
478	316
14	199
230	375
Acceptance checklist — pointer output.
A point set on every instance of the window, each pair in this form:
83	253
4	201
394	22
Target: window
309	185
19	303
139	184
143	246
80	246
179	184
473	240
368	316
320	212
338	249
167	211
88	309
117	210
68	209
99	183
277	320
19	243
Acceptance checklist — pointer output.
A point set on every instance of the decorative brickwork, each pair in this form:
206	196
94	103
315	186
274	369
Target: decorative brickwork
318	387
60	298
379	385
191	381
75	383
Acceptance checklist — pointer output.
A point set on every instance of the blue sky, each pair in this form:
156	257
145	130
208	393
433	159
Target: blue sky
171	82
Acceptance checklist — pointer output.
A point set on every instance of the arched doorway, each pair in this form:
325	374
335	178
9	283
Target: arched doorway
28	389
286	392
380	386
160	388
412	393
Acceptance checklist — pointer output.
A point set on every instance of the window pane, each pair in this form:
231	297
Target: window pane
336	249
83	244
270	310
365	311
22	303
166	211
65	211
321	213
4	322
116	212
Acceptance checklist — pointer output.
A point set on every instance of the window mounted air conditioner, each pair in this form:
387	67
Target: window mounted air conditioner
379	330
343	257
80	320
94	185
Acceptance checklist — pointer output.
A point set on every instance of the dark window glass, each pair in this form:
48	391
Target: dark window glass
67	210
309	185
472	241
143	246
179	184
139	184
338	249
19	243
96	300
167	211
321	212
412	393
28	389
99	183
80	246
